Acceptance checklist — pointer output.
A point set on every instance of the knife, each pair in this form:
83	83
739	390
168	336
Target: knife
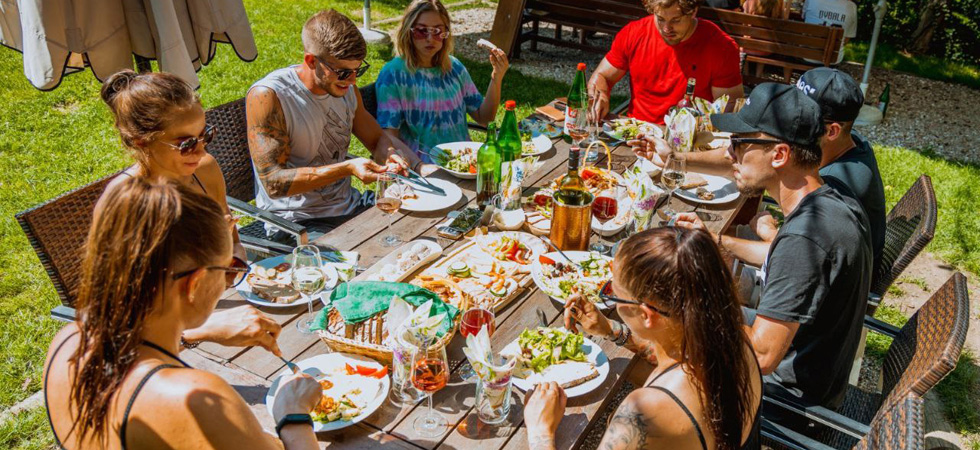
427	188
425	180
542	318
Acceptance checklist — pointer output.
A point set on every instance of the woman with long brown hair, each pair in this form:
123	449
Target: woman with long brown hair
676	296
156	260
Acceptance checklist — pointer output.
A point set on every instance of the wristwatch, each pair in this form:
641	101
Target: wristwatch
290	419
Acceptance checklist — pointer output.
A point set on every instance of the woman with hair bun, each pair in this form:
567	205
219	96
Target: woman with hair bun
161	123
156	260
676	296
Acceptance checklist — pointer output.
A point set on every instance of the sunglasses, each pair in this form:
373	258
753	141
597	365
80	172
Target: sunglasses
736	141
343	74
188	145
610	301
234	275
438	34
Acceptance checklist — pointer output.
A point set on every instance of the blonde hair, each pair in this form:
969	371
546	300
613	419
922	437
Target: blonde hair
330	33
767	8
405	45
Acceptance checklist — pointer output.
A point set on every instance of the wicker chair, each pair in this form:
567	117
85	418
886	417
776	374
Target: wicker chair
921	354
910	226
898	427
57	230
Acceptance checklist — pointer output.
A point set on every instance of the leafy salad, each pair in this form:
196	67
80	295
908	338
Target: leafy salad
563	279
544	347
629	128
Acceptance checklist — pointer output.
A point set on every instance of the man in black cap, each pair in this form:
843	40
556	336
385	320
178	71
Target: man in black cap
818	268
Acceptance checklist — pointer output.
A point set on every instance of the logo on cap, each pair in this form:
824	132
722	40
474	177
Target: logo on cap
748	101
806	88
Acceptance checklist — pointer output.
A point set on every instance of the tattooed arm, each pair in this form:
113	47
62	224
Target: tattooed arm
268	142
630	427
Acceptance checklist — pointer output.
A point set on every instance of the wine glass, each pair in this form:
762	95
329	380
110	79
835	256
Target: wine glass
430	372
605	207
308	279
672	178
470	324
388	198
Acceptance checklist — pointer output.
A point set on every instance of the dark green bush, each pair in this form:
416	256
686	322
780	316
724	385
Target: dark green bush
957	40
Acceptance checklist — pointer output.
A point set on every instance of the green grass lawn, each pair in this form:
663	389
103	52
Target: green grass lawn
888	57
55	141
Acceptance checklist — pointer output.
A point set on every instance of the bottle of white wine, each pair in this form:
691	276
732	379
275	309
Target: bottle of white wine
571	190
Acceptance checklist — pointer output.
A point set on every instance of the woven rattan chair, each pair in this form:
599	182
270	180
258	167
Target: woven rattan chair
910	226
898	427
922	352
230	149
57	230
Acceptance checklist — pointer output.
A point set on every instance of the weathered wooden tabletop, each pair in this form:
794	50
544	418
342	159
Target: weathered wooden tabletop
250	370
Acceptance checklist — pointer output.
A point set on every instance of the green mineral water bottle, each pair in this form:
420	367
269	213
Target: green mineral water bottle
576	120
488	168
509	138
883	99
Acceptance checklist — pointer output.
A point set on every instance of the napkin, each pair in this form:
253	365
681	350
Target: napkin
681	126
423	326
707	108
358	301
512	178
644	194
478	351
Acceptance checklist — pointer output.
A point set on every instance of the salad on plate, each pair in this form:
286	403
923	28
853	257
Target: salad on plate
561	279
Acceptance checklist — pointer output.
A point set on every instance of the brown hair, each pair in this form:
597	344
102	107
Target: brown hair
144	105
687	6
806	156
767	8
682	272
404	43
330	33
141	235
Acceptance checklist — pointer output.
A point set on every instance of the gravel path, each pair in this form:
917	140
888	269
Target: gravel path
922	115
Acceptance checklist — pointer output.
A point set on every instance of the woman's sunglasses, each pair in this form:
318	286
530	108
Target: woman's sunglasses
438	34
188	145
234	275
343	74
610	301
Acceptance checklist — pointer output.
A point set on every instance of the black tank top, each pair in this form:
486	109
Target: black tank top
751	443
129	405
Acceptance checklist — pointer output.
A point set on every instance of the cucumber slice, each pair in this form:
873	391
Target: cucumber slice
501	293
459	269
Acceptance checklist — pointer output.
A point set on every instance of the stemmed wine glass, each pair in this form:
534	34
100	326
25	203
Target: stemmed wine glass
605	207
388	198
470	324
307	278
672	178
430	372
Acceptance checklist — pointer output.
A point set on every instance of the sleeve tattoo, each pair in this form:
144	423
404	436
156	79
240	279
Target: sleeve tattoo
269	143
627	430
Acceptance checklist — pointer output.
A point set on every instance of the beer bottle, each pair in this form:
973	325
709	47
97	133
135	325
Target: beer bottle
883	99
577	107
571	190
509	138
488	168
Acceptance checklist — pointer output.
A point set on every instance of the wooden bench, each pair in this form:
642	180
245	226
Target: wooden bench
787	41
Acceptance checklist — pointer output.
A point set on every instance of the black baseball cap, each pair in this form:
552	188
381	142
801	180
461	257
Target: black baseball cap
779	110
838	95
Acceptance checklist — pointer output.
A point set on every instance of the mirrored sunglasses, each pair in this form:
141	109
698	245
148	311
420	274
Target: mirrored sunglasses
438	34
187	146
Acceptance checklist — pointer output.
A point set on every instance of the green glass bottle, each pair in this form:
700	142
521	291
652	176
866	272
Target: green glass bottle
488	168
883	99
577	107
509	138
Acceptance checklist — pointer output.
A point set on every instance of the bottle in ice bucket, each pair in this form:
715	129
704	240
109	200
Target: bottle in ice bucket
571	218
509	138
488	168
576	120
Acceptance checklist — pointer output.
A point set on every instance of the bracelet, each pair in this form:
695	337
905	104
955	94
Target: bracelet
617	329
188	345
720	246
626	337
290	419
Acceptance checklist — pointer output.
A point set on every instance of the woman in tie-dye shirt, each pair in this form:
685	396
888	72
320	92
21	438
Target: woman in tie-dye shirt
425	93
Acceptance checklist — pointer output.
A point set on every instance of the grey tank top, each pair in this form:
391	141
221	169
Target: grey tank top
319	132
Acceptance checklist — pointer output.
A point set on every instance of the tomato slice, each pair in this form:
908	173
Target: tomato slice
587	173
350	370
472	168
366	371
546	260
383	372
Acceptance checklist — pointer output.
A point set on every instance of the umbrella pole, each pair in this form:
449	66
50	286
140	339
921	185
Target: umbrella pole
370	35
880	9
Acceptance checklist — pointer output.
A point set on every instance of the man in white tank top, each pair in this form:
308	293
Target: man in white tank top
300	120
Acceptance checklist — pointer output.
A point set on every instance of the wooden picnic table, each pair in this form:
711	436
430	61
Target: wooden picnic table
250	370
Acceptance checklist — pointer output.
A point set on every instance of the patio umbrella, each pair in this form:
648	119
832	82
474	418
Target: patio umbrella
59	37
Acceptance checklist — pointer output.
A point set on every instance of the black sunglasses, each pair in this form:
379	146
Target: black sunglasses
736	141
187	146
343	74
233	275
610	301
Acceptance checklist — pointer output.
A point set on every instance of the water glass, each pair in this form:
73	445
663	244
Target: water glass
493	394
404	348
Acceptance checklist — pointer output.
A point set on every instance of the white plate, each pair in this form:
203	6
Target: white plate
593	354
537	272
329	271
541	145
455	146
392	258
325	364
428	201
608	129
724	189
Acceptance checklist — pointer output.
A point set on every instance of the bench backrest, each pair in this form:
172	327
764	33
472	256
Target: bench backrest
782	37
616	13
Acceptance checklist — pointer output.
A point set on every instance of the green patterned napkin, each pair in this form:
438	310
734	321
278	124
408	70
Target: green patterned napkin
358	301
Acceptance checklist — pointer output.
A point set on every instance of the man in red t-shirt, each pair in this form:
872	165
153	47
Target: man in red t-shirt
661	52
